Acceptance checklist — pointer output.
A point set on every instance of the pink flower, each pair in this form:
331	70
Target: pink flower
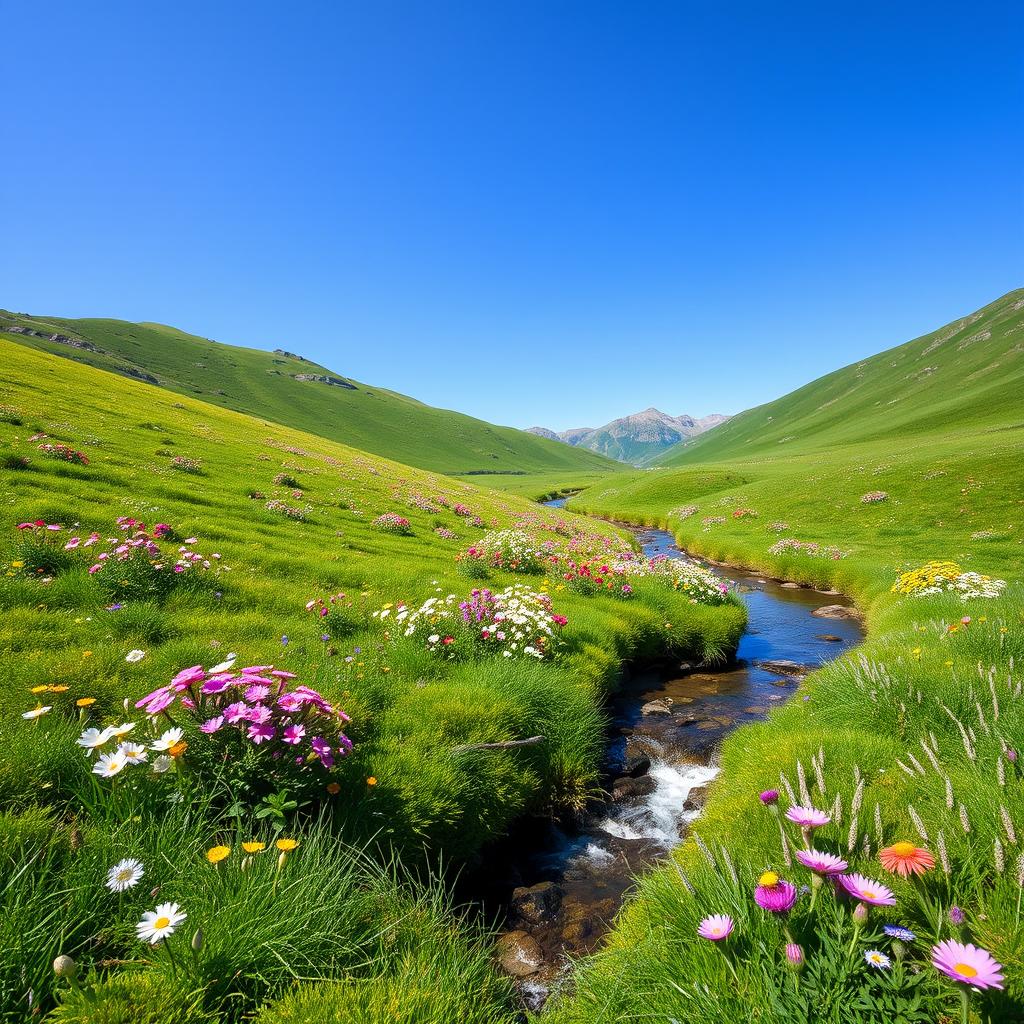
867	890
293	733
257	692
715	928
211	725
217	684
773	894
967	964
290	702
322	750
157	701
259	713
95	568
237	712
255	669
808	817
188	675
260	731
72	544
821	863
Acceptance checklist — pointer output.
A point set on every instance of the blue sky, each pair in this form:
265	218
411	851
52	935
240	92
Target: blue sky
547	212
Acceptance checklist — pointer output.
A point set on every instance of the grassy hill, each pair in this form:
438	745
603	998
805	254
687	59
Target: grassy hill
910	457
285	526
967	375
265	385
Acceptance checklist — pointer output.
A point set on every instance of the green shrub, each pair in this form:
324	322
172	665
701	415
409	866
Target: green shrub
131	997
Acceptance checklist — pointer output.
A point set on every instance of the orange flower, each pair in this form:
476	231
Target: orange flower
371	781
178	749
905	859
333	788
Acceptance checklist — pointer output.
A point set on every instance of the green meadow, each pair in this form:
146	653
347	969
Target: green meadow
872	471
278	519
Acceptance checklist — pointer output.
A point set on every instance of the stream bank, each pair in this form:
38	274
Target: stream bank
555	887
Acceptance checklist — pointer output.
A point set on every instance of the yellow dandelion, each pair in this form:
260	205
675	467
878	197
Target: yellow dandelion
218	853
85	702
372	781
253	847
286	845
39	689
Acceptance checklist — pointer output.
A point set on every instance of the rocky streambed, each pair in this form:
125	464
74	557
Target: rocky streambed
556	886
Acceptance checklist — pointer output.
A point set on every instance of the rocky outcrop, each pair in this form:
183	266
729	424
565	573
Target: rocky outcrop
520	954
837	611
288	355
536	904
323	378
60	339
134	371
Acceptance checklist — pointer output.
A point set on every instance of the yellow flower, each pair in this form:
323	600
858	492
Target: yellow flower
254	847
86	654
84	702
372	781
218	853
39	689
948	663
58	689
286	845
768	879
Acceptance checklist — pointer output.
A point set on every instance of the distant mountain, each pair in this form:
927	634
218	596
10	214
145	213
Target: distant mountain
636	439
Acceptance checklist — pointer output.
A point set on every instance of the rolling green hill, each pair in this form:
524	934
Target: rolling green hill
285	388
966	375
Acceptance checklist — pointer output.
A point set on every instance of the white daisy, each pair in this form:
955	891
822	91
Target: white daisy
93	738
122	730
161	764
108	765
227	663
124	875
167	739
158	924
37	712
133	753
877	959
134	656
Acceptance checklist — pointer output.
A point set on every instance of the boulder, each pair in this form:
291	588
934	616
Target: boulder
829	638
790	586
661	706
537	903
837	611
696	798
627	788
637	765
784	667
519	954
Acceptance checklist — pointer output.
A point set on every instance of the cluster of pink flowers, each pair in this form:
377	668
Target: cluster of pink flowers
418	501
322	606
444	532
391	522
40	527
64	452
462	510
744	513
144	544
811	548
259	705
286	510
873	497
186	465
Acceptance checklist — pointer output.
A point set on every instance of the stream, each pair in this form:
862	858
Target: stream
557	886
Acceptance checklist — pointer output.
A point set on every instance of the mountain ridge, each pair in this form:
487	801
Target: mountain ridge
637	438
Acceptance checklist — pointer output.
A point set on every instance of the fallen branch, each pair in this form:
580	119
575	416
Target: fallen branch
503	745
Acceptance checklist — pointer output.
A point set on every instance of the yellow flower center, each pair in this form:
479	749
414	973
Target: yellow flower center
869	895
124	874
768	879
161	922
966	970
903	849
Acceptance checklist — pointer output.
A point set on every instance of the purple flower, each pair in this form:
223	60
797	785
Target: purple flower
895	931
808	817
261	731
323	751
773	894
293	734
821	863
956	916
284	641
715	928
867	890
259	714
794	955
257	692
211	725
769	797
237	712
217	684
290	702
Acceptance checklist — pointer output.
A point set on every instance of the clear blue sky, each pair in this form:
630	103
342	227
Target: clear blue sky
546	212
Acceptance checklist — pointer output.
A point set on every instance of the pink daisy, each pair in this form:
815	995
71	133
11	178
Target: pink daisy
716	927
261	731
821	863
293	733
867	890
259	714
967	964
188	675
217	684
237	712
211	725
773	894
257	692
808	817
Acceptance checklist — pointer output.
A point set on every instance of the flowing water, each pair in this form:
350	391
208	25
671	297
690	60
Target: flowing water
665	729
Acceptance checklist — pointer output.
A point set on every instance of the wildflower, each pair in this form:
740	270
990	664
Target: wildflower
794	955
85	702
39	689
211	725
293	734
895	931
218	853
162	764
178	749
716	927
158	924
867	891
65	967
773	894
371	781
254	846
93	738
956	916
124	875
134	656
905	858
333	788
876	958
236	712
224	666
286	845
167	739
133	753
109	765
260	731
37	712
121	730
821	863
808	817
967	964
769	797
